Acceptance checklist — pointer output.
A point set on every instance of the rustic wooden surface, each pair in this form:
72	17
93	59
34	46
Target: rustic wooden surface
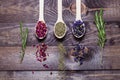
14	11
67	75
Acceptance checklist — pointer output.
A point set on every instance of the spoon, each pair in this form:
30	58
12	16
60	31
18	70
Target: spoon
41	29
78	29
60	27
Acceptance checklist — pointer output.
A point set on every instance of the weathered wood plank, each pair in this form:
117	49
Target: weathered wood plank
9	59
27	11
14	11
10	35
59	75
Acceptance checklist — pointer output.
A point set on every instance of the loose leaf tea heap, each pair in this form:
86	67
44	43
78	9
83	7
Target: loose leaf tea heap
60	29
61	65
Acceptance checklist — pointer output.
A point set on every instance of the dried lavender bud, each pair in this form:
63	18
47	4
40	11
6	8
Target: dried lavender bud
81	61
79	53
75	59
78	29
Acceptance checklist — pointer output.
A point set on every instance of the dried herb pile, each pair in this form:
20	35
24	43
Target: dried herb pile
41	54
61	65
60	29
79	53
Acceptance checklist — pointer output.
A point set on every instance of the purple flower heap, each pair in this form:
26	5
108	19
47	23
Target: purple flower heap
79	53
78	29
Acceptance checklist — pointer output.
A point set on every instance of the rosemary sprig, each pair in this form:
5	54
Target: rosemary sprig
100	24
24	35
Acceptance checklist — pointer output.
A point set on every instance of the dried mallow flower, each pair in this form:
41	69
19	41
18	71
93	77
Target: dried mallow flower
78	29
41	30
41	54
79	53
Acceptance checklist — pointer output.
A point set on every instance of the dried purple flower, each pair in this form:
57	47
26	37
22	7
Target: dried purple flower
79	53
78	29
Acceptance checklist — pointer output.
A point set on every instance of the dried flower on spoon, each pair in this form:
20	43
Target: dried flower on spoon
78	29
41	30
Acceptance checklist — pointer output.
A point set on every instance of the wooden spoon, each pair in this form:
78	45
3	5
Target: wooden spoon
41	29
78	26
60	21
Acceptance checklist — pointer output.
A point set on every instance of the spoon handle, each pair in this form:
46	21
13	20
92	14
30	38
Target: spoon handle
59	10
78	10
41	10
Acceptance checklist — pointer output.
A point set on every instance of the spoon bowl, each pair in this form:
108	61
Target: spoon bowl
60	33
41	30
78	29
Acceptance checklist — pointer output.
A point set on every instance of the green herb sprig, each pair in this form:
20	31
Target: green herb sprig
62	51
100	24
24	35
61	65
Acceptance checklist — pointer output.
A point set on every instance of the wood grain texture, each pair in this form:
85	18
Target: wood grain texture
14	11
10	35
9	59
56	75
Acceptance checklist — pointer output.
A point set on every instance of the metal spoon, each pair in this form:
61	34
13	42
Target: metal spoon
40	32
60	20
78	26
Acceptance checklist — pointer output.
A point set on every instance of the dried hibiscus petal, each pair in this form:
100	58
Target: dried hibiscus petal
40	53
41	29
45	65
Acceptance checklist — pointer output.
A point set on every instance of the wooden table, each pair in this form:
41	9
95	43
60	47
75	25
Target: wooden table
14	11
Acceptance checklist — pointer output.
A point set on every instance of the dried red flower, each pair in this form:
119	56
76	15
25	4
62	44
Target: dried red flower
41	29
40	53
